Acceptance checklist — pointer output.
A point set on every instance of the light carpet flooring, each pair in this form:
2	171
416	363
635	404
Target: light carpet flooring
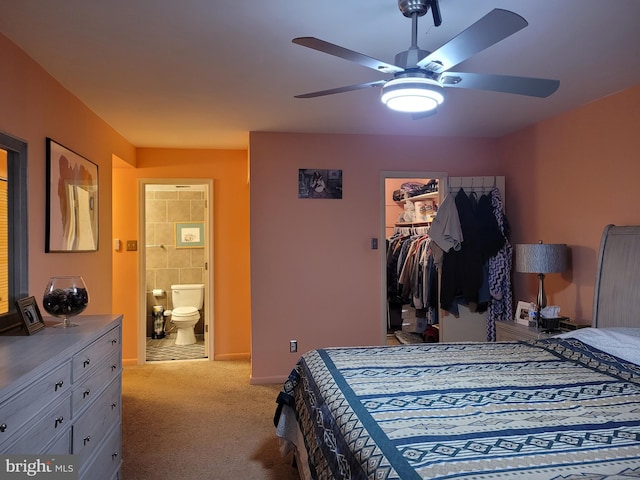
188	420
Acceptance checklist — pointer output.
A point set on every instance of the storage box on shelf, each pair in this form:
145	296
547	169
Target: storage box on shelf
60	393
424	207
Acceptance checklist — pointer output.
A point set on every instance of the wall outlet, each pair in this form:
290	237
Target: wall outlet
293	346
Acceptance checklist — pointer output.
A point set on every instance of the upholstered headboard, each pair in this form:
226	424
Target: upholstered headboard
617	290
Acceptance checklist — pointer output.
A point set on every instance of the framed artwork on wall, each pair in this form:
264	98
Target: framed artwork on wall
189	235
72	201
318	183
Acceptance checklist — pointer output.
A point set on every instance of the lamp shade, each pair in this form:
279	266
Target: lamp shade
541	257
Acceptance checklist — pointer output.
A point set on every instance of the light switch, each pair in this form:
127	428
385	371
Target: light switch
132	245
117	244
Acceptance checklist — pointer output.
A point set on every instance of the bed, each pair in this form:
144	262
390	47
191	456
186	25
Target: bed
566	407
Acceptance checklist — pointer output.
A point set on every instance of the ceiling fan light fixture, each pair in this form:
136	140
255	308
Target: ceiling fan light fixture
413	94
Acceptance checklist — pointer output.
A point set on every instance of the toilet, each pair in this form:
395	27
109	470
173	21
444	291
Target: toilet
187	301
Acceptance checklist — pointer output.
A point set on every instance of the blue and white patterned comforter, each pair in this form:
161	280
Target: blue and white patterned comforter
549	409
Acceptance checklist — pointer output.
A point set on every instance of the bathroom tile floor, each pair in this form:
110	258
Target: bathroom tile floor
165	349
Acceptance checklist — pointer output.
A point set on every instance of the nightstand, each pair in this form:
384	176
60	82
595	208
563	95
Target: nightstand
512	331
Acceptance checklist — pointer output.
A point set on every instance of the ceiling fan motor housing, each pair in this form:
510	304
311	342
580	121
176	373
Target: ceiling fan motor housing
409	7
410	58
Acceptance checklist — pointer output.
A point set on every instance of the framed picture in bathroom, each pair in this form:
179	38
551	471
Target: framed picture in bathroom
189	235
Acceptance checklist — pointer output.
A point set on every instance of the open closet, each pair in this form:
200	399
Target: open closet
443	287
410	206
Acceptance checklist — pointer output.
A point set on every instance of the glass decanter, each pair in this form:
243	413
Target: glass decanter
65	297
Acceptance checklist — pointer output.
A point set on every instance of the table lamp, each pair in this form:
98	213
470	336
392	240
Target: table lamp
541	258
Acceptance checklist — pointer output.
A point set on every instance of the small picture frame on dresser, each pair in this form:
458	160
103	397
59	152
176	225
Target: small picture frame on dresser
30	314
522	313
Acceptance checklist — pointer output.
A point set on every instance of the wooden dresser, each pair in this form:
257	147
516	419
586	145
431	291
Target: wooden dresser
61	391
512	331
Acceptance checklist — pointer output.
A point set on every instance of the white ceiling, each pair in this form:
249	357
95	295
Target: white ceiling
203	73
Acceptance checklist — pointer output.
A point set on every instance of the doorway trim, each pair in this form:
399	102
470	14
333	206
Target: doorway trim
209	267
442	181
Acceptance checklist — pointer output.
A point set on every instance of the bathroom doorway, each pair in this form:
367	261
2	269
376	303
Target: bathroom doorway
175	249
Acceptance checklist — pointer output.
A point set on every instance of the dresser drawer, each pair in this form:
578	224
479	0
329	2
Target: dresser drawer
44	428
18	409
60	446
88	359
105	465
90	387
91	428
512	332
507	336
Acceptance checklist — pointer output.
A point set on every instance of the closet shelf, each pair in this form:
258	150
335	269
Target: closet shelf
412	224
417	198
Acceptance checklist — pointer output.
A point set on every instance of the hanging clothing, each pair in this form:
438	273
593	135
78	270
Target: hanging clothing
410	279
491	238
461	276
478	274
500	287
445	230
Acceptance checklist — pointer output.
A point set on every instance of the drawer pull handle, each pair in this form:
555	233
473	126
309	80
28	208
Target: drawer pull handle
86	393
86	440
59	421
114	405
114	455
114	342
86	363
114	367
59	384
3	427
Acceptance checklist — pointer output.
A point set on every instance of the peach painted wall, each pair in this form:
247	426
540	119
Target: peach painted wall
567	178
314	277
231	297
36	106
125	263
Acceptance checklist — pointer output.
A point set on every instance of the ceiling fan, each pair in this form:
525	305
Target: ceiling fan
420	77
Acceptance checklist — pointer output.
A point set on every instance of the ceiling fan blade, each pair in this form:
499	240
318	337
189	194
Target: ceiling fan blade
489	30
349	88
338	51
533	87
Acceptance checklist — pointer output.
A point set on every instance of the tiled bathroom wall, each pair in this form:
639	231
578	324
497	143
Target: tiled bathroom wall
166	264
